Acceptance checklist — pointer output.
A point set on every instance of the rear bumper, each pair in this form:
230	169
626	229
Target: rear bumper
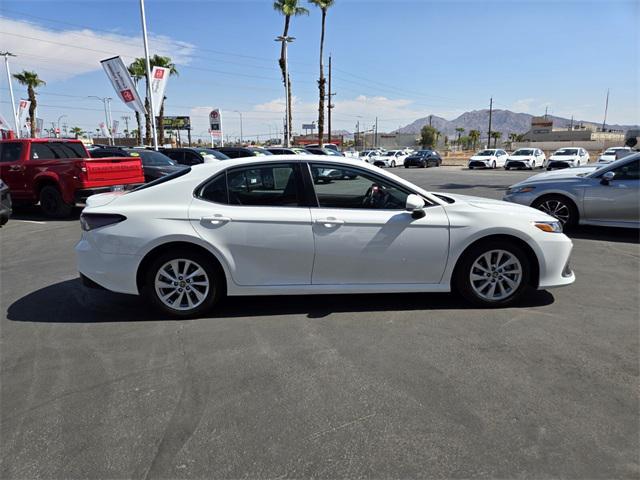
80	196
114	272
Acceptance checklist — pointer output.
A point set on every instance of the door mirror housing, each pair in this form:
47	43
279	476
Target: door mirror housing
607	177
415	205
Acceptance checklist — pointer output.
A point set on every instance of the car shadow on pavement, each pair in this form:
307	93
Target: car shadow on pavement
71	302
605	234
34	214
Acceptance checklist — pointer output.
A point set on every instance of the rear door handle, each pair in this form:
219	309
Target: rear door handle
216	220
329	222
15	168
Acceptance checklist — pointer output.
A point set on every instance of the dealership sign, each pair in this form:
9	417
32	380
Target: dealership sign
23	109
159	77
122	83
176	122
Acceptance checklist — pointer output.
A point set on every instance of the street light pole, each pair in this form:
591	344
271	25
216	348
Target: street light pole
148	65
286	40
106	115
60	118
240	113
13	102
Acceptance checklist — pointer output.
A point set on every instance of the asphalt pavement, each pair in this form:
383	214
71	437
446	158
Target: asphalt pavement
95	385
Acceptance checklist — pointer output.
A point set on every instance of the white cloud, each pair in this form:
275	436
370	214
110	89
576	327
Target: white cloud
523	105
62	54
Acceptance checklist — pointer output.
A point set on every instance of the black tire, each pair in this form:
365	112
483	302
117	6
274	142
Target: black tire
462	281
547	204
406	166
393	164
424	165
493	164
507	168
214	275
52	204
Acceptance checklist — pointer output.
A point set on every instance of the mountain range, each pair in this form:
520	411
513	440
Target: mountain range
504	121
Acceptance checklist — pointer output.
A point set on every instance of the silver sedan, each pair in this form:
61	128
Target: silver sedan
607	196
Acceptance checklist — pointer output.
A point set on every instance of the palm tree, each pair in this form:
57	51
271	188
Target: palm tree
76	131
165	62
323	5
31	80
460	131
474	135
495	136
138	71
288	8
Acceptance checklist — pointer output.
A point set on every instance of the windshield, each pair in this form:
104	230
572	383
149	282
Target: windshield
152	158
523	152
567	151
215	153
389	154
423	153
485	153
260	151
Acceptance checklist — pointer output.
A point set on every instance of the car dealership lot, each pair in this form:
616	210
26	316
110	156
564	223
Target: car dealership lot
95	385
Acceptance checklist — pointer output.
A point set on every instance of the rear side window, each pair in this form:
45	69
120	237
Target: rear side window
264	185
56	150
10	152
215	190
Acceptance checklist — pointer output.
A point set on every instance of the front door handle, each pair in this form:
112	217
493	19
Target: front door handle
329	222
216	220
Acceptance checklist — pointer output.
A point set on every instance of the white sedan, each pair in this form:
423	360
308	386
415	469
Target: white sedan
390	159
488	158
526	158
262	226
568	157
612	154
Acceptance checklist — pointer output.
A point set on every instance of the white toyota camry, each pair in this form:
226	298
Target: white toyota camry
264	226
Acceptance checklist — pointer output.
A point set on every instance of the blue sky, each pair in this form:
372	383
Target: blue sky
393	59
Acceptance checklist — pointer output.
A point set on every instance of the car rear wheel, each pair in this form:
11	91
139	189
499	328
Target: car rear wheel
183	284
493	274
52	204
559	207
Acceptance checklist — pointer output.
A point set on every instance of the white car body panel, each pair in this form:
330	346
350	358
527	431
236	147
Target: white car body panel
282	250
499	157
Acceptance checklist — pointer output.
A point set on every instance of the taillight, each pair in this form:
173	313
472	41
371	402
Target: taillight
82	167
91	221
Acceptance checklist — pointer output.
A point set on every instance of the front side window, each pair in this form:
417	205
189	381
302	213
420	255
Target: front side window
346	187
264	185
629	171
10	152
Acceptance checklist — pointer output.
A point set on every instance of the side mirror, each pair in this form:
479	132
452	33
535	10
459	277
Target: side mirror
607	177
415	205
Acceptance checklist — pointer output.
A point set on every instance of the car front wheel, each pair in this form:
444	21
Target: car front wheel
493	274
183	284
393	164
559	207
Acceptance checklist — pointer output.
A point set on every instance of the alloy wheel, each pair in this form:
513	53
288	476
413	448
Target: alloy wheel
495	275
556	209
182	284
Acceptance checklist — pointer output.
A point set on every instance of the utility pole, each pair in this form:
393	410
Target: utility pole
571	126
375	134
357	133
143	19
240	113
13	102
490	115
126	119
330	106
430	117
546	110
606	107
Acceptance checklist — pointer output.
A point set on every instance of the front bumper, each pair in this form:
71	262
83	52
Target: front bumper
518	164
558	164
554	264
479	163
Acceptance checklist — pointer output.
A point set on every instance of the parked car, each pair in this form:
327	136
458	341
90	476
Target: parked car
60	173
193	156
330	146
611	154
423	159
390	159
241	152
369	155
323	151
568	157
287	151
155	164
605	195
488	158
526	158
175	241
5	203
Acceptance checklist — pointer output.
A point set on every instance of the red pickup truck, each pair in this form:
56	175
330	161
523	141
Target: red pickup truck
60	173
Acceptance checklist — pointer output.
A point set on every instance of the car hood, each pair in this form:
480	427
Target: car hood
564	158
499	206
520	157
482	159
565	173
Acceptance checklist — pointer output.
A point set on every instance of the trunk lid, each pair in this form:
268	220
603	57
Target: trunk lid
114	170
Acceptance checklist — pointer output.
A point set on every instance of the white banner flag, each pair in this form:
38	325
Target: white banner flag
104	130
23	111
4	125
114	128
122	83
159	77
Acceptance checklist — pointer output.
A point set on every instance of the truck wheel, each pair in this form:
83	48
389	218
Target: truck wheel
52	203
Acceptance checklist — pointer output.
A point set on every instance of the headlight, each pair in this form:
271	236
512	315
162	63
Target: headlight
549	227
520	190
